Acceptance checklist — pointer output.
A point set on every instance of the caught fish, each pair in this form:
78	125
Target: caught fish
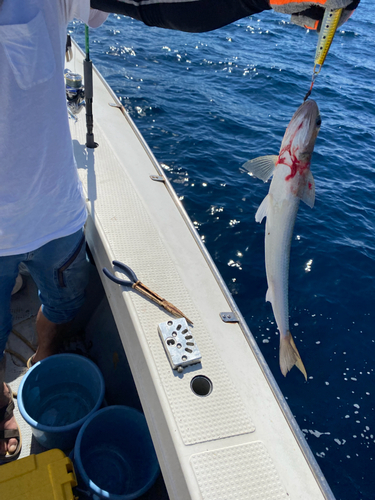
292	181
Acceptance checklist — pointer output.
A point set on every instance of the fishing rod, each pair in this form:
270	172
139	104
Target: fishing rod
87	73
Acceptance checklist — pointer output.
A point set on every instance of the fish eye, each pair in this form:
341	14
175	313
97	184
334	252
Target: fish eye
318	121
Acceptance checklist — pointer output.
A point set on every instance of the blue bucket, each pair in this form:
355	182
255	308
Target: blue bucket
114	457
57	395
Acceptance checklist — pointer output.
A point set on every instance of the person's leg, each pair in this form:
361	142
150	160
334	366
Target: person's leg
7	419
50	336
8	275
60	270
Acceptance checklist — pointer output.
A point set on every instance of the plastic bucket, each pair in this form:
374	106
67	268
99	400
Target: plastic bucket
114	457
57	395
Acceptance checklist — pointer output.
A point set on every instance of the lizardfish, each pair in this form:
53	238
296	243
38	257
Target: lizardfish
292	181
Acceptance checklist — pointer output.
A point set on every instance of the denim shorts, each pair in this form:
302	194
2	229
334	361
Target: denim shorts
60	270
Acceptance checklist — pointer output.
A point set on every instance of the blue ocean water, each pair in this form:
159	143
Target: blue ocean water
205	104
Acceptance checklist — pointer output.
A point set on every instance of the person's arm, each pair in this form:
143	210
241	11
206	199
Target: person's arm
194	16
206	15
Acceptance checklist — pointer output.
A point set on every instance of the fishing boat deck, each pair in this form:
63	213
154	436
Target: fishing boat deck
228	433
239	438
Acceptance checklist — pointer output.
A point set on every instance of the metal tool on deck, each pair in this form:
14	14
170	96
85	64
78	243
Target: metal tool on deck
328	28
179	344
143	289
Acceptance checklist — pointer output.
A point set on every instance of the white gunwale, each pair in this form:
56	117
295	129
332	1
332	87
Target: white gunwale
243	435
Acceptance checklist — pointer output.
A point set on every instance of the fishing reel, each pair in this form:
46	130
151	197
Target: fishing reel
75	92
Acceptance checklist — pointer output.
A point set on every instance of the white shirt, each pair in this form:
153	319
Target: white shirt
41	195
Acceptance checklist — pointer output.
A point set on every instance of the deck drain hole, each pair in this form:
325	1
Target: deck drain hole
171	341
201	385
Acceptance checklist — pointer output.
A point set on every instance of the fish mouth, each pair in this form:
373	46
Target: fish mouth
308	109
303	128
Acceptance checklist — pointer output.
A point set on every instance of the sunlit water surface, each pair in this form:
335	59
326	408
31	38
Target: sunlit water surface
205	104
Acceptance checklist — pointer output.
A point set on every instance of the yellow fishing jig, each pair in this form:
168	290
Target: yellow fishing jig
328	28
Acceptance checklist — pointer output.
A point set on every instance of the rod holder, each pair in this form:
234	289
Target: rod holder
87	72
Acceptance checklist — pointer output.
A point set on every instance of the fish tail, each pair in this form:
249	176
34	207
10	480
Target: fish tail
289	355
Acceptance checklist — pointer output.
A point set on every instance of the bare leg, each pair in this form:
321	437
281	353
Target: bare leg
10	423
50	336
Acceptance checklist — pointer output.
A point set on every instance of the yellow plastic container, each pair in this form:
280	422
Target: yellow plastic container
47	476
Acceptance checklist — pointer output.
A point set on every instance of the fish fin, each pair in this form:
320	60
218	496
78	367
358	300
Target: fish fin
308	194
262	167
262	210
289	355
269	295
